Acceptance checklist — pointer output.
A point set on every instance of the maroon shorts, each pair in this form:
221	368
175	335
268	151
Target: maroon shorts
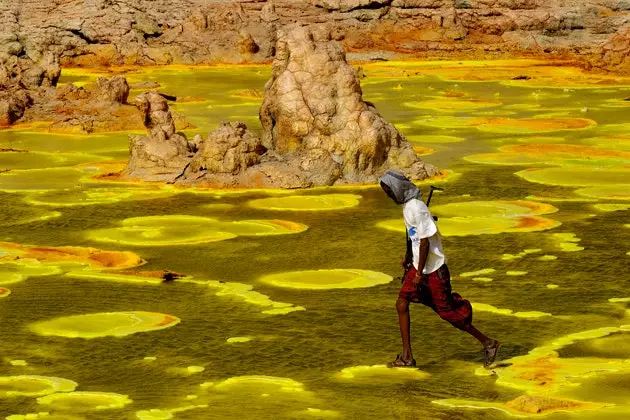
436	293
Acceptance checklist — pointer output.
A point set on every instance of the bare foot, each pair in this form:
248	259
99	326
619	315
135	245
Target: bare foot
400	362
490	351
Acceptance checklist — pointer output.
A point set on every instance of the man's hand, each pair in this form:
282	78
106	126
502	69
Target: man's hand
424	253
403	262
418	278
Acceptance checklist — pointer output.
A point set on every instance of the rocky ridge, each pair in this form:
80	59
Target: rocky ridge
104	32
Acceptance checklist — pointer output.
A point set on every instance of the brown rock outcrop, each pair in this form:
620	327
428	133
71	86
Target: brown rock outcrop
13	102
21	82
28	74
317	130
615	54
29	93
96	107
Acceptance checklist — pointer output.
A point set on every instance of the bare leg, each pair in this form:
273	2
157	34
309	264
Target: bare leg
402	306
490	346
483	339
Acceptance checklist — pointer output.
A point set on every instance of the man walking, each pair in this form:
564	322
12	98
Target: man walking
427	279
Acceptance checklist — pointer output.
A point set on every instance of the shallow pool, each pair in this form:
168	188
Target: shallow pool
287	307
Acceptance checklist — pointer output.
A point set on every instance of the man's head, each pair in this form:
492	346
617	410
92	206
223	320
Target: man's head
398	187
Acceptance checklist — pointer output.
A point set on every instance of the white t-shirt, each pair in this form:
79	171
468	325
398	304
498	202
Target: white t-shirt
420	224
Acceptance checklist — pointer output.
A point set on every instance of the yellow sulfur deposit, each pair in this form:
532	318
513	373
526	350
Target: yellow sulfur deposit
483	307
307	202
34	386
117	324
85	401
379	373
327	279
188	230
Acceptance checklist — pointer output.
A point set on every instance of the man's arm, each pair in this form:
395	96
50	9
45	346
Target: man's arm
424	253
408	254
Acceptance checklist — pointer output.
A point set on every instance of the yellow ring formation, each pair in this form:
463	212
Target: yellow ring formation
454	104
39	179
509	125
92	196
21	270
52	258
464	226
559	199
381	372
116	324
327	279
34	386
606	192
447	121
85	401
577	176
258	382
487	217
499	208
435	139
552	154
307	202
183	230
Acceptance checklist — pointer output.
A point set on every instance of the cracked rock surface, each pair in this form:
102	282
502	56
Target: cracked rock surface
145	32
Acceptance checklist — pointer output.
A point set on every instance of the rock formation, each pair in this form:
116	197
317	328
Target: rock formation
163	154
97	107
317	130
230	150
29	93
23	81
101	32
615	54
313	111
